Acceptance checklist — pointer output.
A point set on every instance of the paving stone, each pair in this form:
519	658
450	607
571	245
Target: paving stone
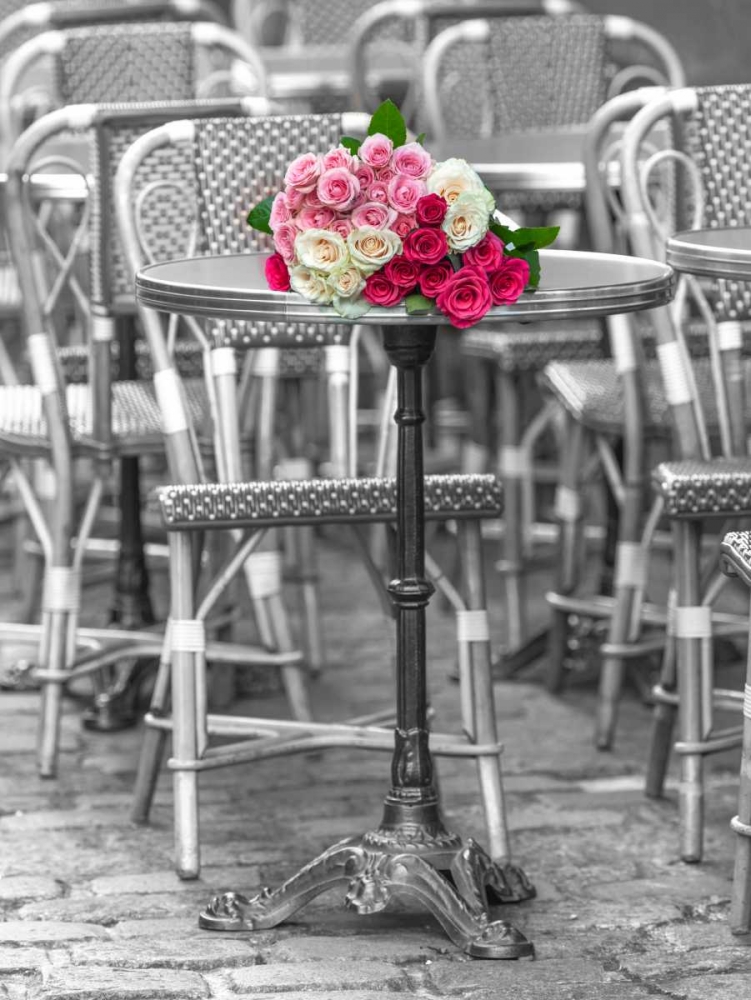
20	960
454	976
173	953
362	947
162	928
655	965
57	819
318	976
123	984
16	888
161	881
108	910
48	931
734	987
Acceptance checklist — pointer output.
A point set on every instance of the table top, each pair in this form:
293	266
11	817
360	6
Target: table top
574	283
722	253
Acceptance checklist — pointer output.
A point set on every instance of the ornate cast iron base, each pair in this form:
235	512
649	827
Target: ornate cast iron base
456	883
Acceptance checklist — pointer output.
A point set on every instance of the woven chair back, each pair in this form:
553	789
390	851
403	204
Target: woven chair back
711	179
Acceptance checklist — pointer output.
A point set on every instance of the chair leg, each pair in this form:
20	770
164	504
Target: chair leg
153	744
570	538
185	733
664	715
478	707
694	651
628	584
53	663
513	464
740	906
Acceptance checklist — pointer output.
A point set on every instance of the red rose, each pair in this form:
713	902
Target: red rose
402	272
509	280
425	246
434	277
431	210
380	291
277	273
487	254
465	297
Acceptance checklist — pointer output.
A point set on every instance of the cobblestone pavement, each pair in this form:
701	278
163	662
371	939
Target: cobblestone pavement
91	908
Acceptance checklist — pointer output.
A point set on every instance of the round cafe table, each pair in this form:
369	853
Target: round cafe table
411	855
715	253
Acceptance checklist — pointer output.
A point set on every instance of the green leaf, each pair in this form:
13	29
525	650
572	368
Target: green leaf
533	238
258	217
418	305
532	257
350	143
421	139
387	119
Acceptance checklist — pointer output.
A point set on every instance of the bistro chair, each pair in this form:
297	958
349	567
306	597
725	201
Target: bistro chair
478	81
250	508
95	418
124	62
696	397
736	552
404	29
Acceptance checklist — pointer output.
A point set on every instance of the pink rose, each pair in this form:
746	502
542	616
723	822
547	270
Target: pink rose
295	198
376	150
413	160
365	175
311	200
487	254
378	191
311	217
342	226
405	192
426	246
434	277
509	280
385	174
431	210
465	298
284	241
402	272
277	273
373	214
339	157
403	225
338	188
280	211
303	172
379	291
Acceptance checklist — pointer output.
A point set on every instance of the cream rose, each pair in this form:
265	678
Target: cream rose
371	248
321	250
312	285
466	221
347	282
453	177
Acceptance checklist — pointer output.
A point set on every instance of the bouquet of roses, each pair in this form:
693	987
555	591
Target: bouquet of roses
378	222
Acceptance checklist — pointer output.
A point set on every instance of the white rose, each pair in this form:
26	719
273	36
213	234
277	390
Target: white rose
371	248
312	285
466	221
454	177
350	308
347	282
321	250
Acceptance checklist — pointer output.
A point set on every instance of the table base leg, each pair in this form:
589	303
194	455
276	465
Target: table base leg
456	882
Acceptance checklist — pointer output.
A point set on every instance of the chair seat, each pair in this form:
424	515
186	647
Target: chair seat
695	488
591	392
736	554
136	422
531	347
315	501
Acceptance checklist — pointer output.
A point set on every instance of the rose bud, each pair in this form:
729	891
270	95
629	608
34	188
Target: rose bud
277	273
487	254
426	246
431	210
380	291
509	280
434	277
465	298
402	272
